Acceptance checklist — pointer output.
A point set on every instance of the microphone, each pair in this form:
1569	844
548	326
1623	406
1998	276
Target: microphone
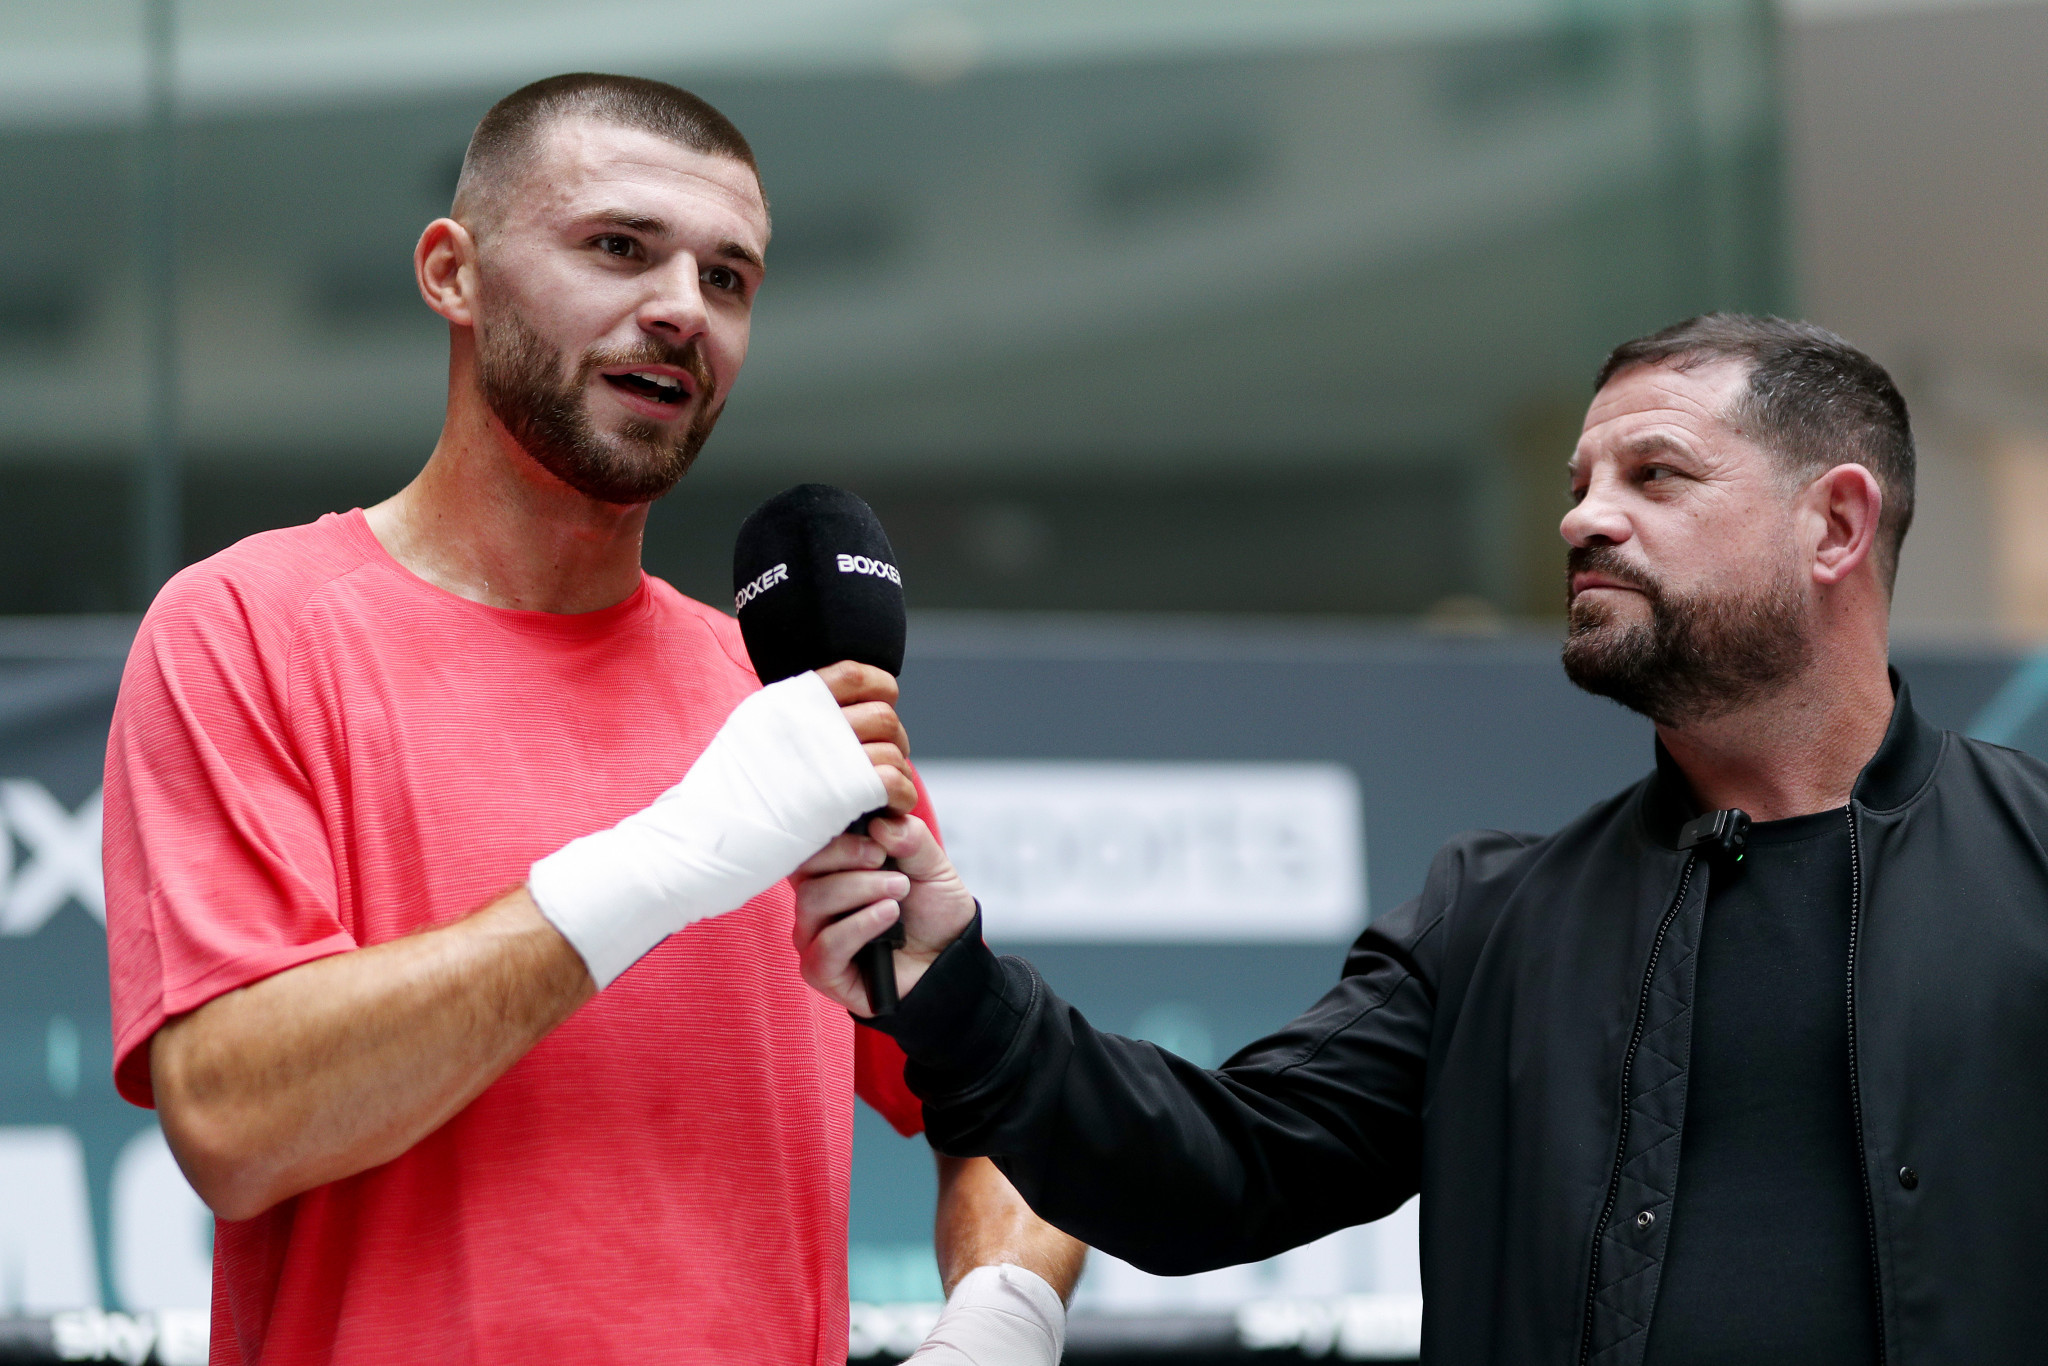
815	581
1723	834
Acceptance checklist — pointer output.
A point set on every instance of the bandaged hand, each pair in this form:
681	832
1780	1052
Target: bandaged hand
785	773
997	1316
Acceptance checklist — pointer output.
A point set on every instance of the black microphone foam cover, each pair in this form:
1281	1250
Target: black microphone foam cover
814	580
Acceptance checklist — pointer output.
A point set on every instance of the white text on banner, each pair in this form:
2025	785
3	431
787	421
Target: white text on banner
1156	852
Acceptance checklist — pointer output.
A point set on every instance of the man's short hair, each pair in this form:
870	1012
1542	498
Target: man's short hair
1813	400
505	141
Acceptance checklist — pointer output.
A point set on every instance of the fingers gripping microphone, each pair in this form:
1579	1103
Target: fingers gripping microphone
815	581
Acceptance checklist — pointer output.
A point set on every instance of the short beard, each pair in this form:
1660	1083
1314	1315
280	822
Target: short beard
521	378
1698	658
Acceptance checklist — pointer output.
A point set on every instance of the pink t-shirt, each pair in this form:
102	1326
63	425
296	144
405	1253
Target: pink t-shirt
315	750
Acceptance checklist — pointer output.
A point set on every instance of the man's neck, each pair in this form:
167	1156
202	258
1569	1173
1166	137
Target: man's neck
1795	752
487	523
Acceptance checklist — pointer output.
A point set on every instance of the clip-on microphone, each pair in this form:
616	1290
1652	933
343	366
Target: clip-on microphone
1719	834
814	582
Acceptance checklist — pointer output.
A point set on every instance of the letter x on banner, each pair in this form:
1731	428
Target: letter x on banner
63	857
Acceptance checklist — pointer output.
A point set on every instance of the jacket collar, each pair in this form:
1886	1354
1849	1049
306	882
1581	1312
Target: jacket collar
1906	759
1901	767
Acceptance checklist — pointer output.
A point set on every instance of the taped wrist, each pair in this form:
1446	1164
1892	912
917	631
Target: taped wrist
784	774
997	1314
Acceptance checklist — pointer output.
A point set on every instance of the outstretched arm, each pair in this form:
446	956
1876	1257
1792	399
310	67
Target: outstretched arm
1126	1146
343	1063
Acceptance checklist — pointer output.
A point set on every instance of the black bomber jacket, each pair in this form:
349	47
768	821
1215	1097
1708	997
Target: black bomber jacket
1513	1044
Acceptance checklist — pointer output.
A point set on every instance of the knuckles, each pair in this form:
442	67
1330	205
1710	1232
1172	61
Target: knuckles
877	721
853	682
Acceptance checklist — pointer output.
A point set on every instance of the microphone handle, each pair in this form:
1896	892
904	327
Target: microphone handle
876	959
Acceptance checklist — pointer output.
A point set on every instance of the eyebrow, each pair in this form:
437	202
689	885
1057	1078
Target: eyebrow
636	222
1652	443
733	251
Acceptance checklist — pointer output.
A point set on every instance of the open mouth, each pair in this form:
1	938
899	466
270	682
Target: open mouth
652	385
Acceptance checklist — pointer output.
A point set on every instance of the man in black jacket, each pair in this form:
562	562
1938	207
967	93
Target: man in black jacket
1675	1088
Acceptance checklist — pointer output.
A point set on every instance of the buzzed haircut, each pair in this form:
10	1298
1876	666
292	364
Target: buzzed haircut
507	138
1813	401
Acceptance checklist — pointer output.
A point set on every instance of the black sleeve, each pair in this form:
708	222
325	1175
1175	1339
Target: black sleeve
1152	1159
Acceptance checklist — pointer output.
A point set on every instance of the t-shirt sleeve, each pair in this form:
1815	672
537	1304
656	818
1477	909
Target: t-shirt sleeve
218	866
878	1080
877	1061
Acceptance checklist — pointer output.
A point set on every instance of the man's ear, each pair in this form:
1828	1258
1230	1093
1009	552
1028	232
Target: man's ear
1846	502
444	263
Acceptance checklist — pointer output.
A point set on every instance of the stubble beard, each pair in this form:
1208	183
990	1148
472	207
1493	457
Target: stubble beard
520	374
1699	657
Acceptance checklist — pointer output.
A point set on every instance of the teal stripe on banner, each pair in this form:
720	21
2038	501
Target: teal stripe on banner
2015	704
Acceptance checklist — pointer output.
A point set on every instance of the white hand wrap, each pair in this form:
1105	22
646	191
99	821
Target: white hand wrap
783	775
997	1316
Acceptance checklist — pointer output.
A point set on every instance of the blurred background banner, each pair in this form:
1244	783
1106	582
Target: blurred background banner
1212	363
1280	744
93	1211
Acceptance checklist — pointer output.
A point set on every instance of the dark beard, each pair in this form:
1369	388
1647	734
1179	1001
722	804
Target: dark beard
1697	658
521	377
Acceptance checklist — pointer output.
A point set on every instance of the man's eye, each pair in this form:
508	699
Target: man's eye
1651	474
722	278
616	244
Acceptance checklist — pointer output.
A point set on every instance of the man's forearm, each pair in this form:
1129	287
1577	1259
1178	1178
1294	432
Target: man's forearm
338	1065
1008	1274
982	1221
341	1064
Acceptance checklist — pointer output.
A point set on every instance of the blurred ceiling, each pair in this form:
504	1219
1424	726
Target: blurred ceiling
1055	281
81	60
1279	235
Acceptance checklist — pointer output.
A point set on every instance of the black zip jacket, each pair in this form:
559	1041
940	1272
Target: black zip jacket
1513	1043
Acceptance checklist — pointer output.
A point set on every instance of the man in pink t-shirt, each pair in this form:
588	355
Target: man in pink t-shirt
596	1117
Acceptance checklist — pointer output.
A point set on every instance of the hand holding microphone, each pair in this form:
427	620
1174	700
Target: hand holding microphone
784	774
846	894
815	581
811	754
816	752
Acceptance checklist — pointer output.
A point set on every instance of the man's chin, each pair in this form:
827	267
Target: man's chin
624	478
1605	647
1602	608
1607	657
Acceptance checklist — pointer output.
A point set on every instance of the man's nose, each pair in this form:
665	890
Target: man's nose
674	307
1596	519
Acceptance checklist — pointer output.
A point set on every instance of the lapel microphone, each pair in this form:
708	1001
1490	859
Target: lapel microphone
1718	834
814	581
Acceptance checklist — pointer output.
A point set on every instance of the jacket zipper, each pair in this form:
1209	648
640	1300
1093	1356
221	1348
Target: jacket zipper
1628	1065
1856	1084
